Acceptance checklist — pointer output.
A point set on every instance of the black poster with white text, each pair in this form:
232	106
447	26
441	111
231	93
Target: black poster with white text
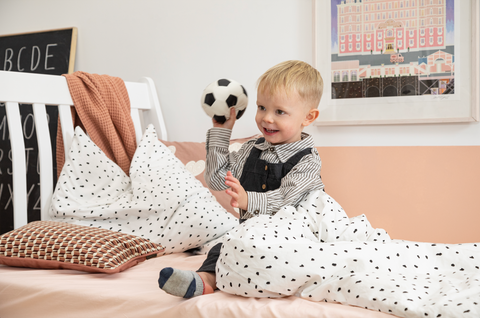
47	52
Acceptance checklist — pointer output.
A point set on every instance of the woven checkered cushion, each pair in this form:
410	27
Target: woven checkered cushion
47	244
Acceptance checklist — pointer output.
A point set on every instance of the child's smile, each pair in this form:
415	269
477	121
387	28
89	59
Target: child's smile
270	132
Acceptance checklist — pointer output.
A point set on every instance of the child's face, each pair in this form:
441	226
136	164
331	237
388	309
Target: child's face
281	117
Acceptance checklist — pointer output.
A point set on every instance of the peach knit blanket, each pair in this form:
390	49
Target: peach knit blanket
102	109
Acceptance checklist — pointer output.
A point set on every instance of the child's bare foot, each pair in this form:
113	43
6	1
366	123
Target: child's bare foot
183	283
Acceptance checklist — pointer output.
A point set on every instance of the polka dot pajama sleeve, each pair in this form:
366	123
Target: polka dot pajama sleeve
316	252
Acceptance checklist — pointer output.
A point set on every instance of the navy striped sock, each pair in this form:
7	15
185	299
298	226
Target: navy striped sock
180	283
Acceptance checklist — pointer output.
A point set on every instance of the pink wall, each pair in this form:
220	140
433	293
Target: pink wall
429	194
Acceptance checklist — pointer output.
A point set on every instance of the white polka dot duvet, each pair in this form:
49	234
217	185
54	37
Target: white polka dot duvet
316	252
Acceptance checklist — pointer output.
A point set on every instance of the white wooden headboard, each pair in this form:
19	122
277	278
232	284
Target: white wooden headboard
18	88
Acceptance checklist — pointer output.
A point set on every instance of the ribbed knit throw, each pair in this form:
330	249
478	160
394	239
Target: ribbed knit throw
102	109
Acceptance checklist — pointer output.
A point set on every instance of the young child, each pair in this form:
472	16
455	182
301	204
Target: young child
279	169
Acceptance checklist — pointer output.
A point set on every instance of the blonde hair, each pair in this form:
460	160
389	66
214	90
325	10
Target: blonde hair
293	76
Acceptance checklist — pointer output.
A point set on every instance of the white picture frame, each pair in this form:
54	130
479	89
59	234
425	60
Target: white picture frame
461	106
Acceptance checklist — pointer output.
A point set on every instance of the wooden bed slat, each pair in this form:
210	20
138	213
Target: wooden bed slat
19	185
137	124
44	157
65	117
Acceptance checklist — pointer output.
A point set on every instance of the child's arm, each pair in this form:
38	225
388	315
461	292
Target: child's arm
219	160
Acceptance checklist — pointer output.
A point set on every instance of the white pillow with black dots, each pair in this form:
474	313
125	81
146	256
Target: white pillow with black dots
160	200
316	252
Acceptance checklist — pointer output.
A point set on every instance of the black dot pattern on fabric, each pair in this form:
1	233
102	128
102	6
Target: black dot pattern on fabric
316	252
160	201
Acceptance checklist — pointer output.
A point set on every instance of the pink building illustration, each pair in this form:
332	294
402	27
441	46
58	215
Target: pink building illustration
390	26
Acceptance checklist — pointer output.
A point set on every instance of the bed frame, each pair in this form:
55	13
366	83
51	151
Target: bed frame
27	292
17	89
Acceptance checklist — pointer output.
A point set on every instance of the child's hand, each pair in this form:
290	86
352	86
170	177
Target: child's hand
229	123
237	192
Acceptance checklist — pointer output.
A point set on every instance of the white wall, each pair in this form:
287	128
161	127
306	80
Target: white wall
186	44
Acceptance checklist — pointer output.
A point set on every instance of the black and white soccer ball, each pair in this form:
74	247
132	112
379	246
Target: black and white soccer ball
220	96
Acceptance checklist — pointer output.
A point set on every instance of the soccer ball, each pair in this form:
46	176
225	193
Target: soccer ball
219	96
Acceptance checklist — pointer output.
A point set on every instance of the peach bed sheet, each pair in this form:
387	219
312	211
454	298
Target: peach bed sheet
134	293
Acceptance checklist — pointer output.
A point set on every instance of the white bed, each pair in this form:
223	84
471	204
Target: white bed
29	292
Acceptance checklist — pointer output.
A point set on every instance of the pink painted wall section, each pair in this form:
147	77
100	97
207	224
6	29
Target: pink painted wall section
427	194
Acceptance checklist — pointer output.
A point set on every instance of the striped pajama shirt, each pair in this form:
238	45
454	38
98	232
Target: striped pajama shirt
295	186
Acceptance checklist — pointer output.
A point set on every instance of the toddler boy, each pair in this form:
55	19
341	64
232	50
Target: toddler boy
267	173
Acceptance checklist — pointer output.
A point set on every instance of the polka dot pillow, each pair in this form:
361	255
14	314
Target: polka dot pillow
160	201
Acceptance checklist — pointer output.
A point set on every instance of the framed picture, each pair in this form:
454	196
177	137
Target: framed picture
397	61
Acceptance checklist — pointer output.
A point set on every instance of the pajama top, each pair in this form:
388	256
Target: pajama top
302	178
